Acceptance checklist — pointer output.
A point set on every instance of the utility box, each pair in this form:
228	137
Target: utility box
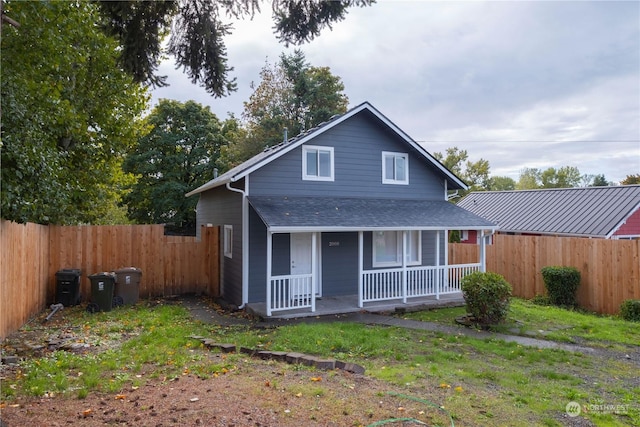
68	287
128	284
102	288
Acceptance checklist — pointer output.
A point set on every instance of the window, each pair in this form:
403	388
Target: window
395	168
228	241
317	163
387	248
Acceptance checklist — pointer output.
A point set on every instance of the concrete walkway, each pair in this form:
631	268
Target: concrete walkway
201	310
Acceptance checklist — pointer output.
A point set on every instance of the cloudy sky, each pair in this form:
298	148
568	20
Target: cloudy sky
520	84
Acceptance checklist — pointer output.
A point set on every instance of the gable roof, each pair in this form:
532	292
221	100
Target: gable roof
585	212
288	214
272	153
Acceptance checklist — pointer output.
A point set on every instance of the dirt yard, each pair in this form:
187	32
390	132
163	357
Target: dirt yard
254	393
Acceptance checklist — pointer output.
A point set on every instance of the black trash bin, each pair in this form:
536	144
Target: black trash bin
128	284
102	292
68	286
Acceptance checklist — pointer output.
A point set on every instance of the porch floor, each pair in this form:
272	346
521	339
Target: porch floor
349	304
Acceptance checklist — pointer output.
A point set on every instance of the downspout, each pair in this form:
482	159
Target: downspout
245	241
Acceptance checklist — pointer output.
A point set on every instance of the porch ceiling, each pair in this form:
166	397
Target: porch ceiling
287	214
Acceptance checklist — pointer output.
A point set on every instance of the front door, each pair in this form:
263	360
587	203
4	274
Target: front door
301	253
301	263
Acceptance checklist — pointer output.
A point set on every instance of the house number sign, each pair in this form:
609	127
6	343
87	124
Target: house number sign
334	244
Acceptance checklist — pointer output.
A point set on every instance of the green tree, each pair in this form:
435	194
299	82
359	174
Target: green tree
600	181
293	95
501	183
178	154
68	115
529	179
197	33
564	177
475	174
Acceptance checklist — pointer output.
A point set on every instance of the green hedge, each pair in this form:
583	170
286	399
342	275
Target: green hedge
561	284
630	310
487	296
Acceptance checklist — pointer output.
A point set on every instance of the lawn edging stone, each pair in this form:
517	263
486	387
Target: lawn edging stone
292	358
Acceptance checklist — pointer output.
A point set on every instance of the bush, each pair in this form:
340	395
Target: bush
487	296
630	310
561	284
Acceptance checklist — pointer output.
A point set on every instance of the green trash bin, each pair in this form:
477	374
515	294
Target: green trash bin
102	292
128	284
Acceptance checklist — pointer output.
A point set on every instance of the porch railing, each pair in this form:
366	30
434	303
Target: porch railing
387	284
290	292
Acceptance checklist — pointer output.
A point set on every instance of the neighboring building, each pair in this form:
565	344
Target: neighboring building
594	212
352	207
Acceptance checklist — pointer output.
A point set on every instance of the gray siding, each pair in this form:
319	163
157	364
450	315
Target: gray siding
358	145
220	207
339	264
258	258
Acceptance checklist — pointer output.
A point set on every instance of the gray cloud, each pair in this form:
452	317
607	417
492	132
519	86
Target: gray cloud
521	84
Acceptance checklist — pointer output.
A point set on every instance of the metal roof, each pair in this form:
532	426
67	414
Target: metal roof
285	214
272	153
584	211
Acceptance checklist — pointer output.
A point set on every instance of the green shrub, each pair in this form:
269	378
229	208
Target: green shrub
561	284
630	310
487	296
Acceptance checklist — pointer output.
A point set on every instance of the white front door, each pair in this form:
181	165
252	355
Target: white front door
301	260
301	253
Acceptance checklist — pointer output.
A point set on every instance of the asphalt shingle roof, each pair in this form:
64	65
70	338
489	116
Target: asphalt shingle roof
329	213
585	211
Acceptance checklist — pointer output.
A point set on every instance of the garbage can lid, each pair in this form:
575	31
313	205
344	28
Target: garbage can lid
128	270
103	275
70	271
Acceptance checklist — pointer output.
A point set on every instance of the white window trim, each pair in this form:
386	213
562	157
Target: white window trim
305	149
398	261
228	241
386	180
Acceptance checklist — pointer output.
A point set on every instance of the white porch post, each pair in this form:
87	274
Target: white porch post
314	270
445	276
404	266
269	258
439	272
360	269
483	252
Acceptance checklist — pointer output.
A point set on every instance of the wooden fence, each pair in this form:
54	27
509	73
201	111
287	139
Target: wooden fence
32	254
609	269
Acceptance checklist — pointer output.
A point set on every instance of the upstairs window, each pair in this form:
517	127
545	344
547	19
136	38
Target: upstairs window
317	163
395	168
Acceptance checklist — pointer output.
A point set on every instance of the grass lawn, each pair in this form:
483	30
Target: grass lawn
478	382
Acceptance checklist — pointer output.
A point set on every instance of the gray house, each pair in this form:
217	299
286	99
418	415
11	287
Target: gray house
352	211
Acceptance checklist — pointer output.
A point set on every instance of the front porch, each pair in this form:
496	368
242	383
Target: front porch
378	290
329	306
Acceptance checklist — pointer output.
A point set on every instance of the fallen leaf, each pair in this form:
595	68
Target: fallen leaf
299	395
267	383
445	385
316	379
458	389
120	396
86	413
194	399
